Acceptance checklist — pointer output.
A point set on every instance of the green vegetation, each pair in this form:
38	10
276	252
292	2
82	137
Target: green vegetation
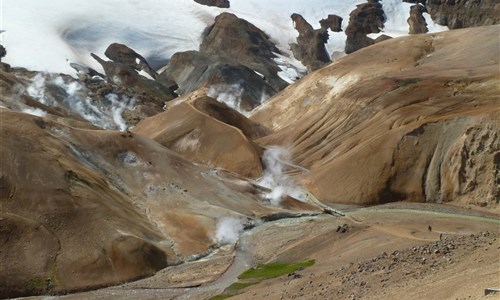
262	272
275	269
241	285
220	297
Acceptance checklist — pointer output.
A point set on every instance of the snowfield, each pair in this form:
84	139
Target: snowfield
45	35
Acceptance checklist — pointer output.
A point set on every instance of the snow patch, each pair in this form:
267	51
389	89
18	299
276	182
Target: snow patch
35	112
70	29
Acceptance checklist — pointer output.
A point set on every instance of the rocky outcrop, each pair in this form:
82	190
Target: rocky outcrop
408	119
122	54
3	52
310	47
416	20
463	13
127	77
366	18
235	58
217	3
238	40
332	22
243	87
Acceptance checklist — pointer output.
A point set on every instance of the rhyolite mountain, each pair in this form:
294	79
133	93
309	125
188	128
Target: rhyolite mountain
116	175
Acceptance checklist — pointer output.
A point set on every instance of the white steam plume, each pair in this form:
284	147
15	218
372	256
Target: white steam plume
228	230
228	94
105	114
276	159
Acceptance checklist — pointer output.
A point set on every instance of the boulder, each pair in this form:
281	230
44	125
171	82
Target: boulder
416	20
366	18
217	3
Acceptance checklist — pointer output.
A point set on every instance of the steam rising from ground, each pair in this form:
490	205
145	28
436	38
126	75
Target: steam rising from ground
276	160
228	94
71	95
228	230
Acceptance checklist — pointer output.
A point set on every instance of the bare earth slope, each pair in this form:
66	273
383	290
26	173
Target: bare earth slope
84	208
414	118
201	131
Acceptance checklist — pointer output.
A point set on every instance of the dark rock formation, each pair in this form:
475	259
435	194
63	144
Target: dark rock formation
3	52
220	74
382	38
416	20
233	53
217	3
310	47
464	13
333	22
85	72
149	91
366	18
240	41
122	54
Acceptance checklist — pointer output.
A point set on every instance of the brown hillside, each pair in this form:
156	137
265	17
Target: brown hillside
414	118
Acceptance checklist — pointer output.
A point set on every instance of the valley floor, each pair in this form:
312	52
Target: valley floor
386	252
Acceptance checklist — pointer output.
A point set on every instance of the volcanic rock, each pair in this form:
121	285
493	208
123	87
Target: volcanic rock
377	126
122	54
192	70
217	3
366	18
310	47
416	20
462	13
333	22
3	52
127	77
240	41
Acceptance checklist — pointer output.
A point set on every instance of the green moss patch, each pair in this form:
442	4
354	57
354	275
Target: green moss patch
255	275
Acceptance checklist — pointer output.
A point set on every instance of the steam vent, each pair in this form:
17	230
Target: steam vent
248	149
